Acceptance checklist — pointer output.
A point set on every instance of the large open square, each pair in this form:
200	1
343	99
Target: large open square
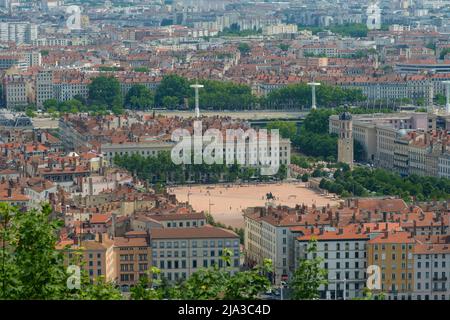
226	202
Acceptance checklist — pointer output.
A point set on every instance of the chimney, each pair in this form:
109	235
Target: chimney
384	216
340	231
9	193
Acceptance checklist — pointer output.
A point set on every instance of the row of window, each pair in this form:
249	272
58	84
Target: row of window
182	224
183	253
195	244
182	264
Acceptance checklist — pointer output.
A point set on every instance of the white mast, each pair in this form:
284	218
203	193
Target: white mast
197	108
313	93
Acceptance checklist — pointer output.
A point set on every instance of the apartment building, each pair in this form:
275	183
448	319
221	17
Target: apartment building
143	221
144	148
444	165
281	28
406	144
44	87
393	252
391	88
16	91
431	271
267	236
374	132
128	258
344	255
418	150
12	60
18	32
92	259
401	153
178	252
385	147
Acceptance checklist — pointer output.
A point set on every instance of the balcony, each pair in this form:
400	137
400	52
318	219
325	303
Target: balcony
439	289
440	278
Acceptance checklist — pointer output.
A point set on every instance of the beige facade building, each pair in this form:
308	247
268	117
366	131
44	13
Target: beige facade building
127	258
17	91
93	256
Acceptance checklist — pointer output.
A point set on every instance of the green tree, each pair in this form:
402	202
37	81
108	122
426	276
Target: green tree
309	275
283	46
9	272
32	267
50	104
172	86
439	99
443	53
286	129
170	102
30	113
105	90
139	97
220	283
369	295
39	272
244	48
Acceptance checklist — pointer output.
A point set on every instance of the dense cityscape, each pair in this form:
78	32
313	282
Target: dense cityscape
224	150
